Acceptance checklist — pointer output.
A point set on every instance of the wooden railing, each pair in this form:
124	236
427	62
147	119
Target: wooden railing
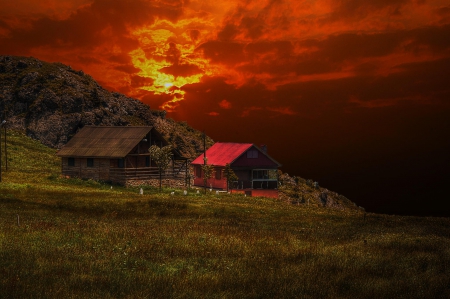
145	173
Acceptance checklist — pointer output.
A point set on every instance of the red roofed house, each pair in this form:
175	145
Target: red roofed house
257	172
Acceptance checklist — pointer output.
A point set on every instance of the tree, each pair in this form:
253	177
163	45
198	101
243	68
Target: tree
162	157
230	175
207	173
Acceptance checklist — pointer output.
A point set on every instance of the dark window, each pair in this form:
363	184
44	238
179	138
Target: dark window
252	154
121	163
198	171
218	174
147	161
90	162
71	162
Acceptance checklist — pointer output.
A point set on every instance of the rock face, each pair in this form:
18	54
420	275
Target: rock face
51	102
297	190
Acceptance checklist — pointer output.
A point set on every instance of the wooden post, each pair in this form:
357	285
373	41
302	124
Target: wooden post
2	123
186	179
6	152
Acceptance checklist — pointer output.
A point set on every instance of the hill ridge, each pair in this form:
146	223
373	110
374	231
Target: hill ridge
52	101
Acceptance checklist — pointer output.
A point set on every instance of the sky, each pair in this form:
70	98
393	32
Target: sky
352	94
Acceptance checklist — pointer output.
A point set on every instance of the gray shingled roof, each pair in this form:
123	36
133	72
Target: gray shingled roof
104	142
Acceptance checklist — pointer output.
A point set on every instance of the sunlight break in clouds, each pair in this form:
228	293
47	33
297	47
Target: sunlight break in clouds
158	51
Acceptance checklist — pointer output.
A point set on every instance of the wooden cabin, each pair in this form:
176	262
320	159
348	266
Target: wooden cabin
257	172
118	155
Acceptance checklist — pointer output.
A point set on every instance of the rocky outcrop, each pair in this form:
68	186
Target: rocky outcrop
52	101
297	190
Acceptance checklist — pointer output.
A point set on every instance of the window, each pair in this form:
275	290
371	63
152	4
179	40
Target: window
264	174
71	161
90	162
252	154
218	174
260	174
147	161
121	163
198	171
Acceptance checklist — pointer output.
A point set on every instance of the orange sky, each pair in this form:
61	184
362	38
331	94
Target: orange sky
322	78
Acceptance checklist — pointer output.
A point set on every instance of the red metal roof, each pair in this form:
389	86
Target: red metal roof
222	153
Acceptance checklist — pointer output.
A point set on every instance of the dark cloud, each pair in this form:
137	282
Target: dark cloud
121	58
138	81
443	11
173	54
352	9
183	70
177	69
245	22
88	59
345	46
436	37
254	28
280	48
229	32
92	25
155	100
129	69
223	52
330	54
194	34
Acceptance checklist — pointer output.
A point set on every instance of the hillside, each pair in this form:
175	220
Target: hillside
51	101
68	238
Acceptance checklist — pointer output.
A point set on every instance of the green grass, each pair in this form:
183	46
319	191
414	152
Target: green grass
69	238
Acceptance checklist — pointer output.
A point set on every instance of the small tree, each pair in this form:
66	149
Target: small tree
162	157
230	175
207	173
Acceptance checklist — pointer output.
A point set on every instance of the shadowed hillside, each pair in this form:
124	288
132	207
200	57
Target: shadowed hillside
52	101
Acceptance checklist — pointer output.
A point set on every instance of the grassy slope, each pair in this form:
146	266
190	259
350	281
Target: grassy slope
80	239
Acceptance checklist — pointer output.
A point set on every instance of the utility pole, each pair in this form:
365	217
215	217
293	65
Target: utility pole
6	152
204	148
204	159
1	124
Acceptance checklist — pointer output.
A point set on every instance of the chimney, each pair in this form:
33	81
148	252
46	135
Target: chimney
264	148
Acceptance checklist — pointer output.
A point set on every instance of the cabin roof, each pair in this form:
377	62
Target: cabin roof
104	141
222	153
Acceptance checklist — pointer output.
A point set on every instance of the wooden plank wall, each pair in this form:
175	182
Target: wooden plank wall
100	170
105	169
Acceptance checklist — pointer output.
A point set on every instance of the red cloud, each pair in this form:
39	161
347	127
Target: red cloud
246	111
282	110
224	104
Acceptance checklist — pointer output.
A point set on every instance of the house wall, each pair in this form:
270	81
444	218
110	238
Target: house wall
212	182
99	170
262	161
135	167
